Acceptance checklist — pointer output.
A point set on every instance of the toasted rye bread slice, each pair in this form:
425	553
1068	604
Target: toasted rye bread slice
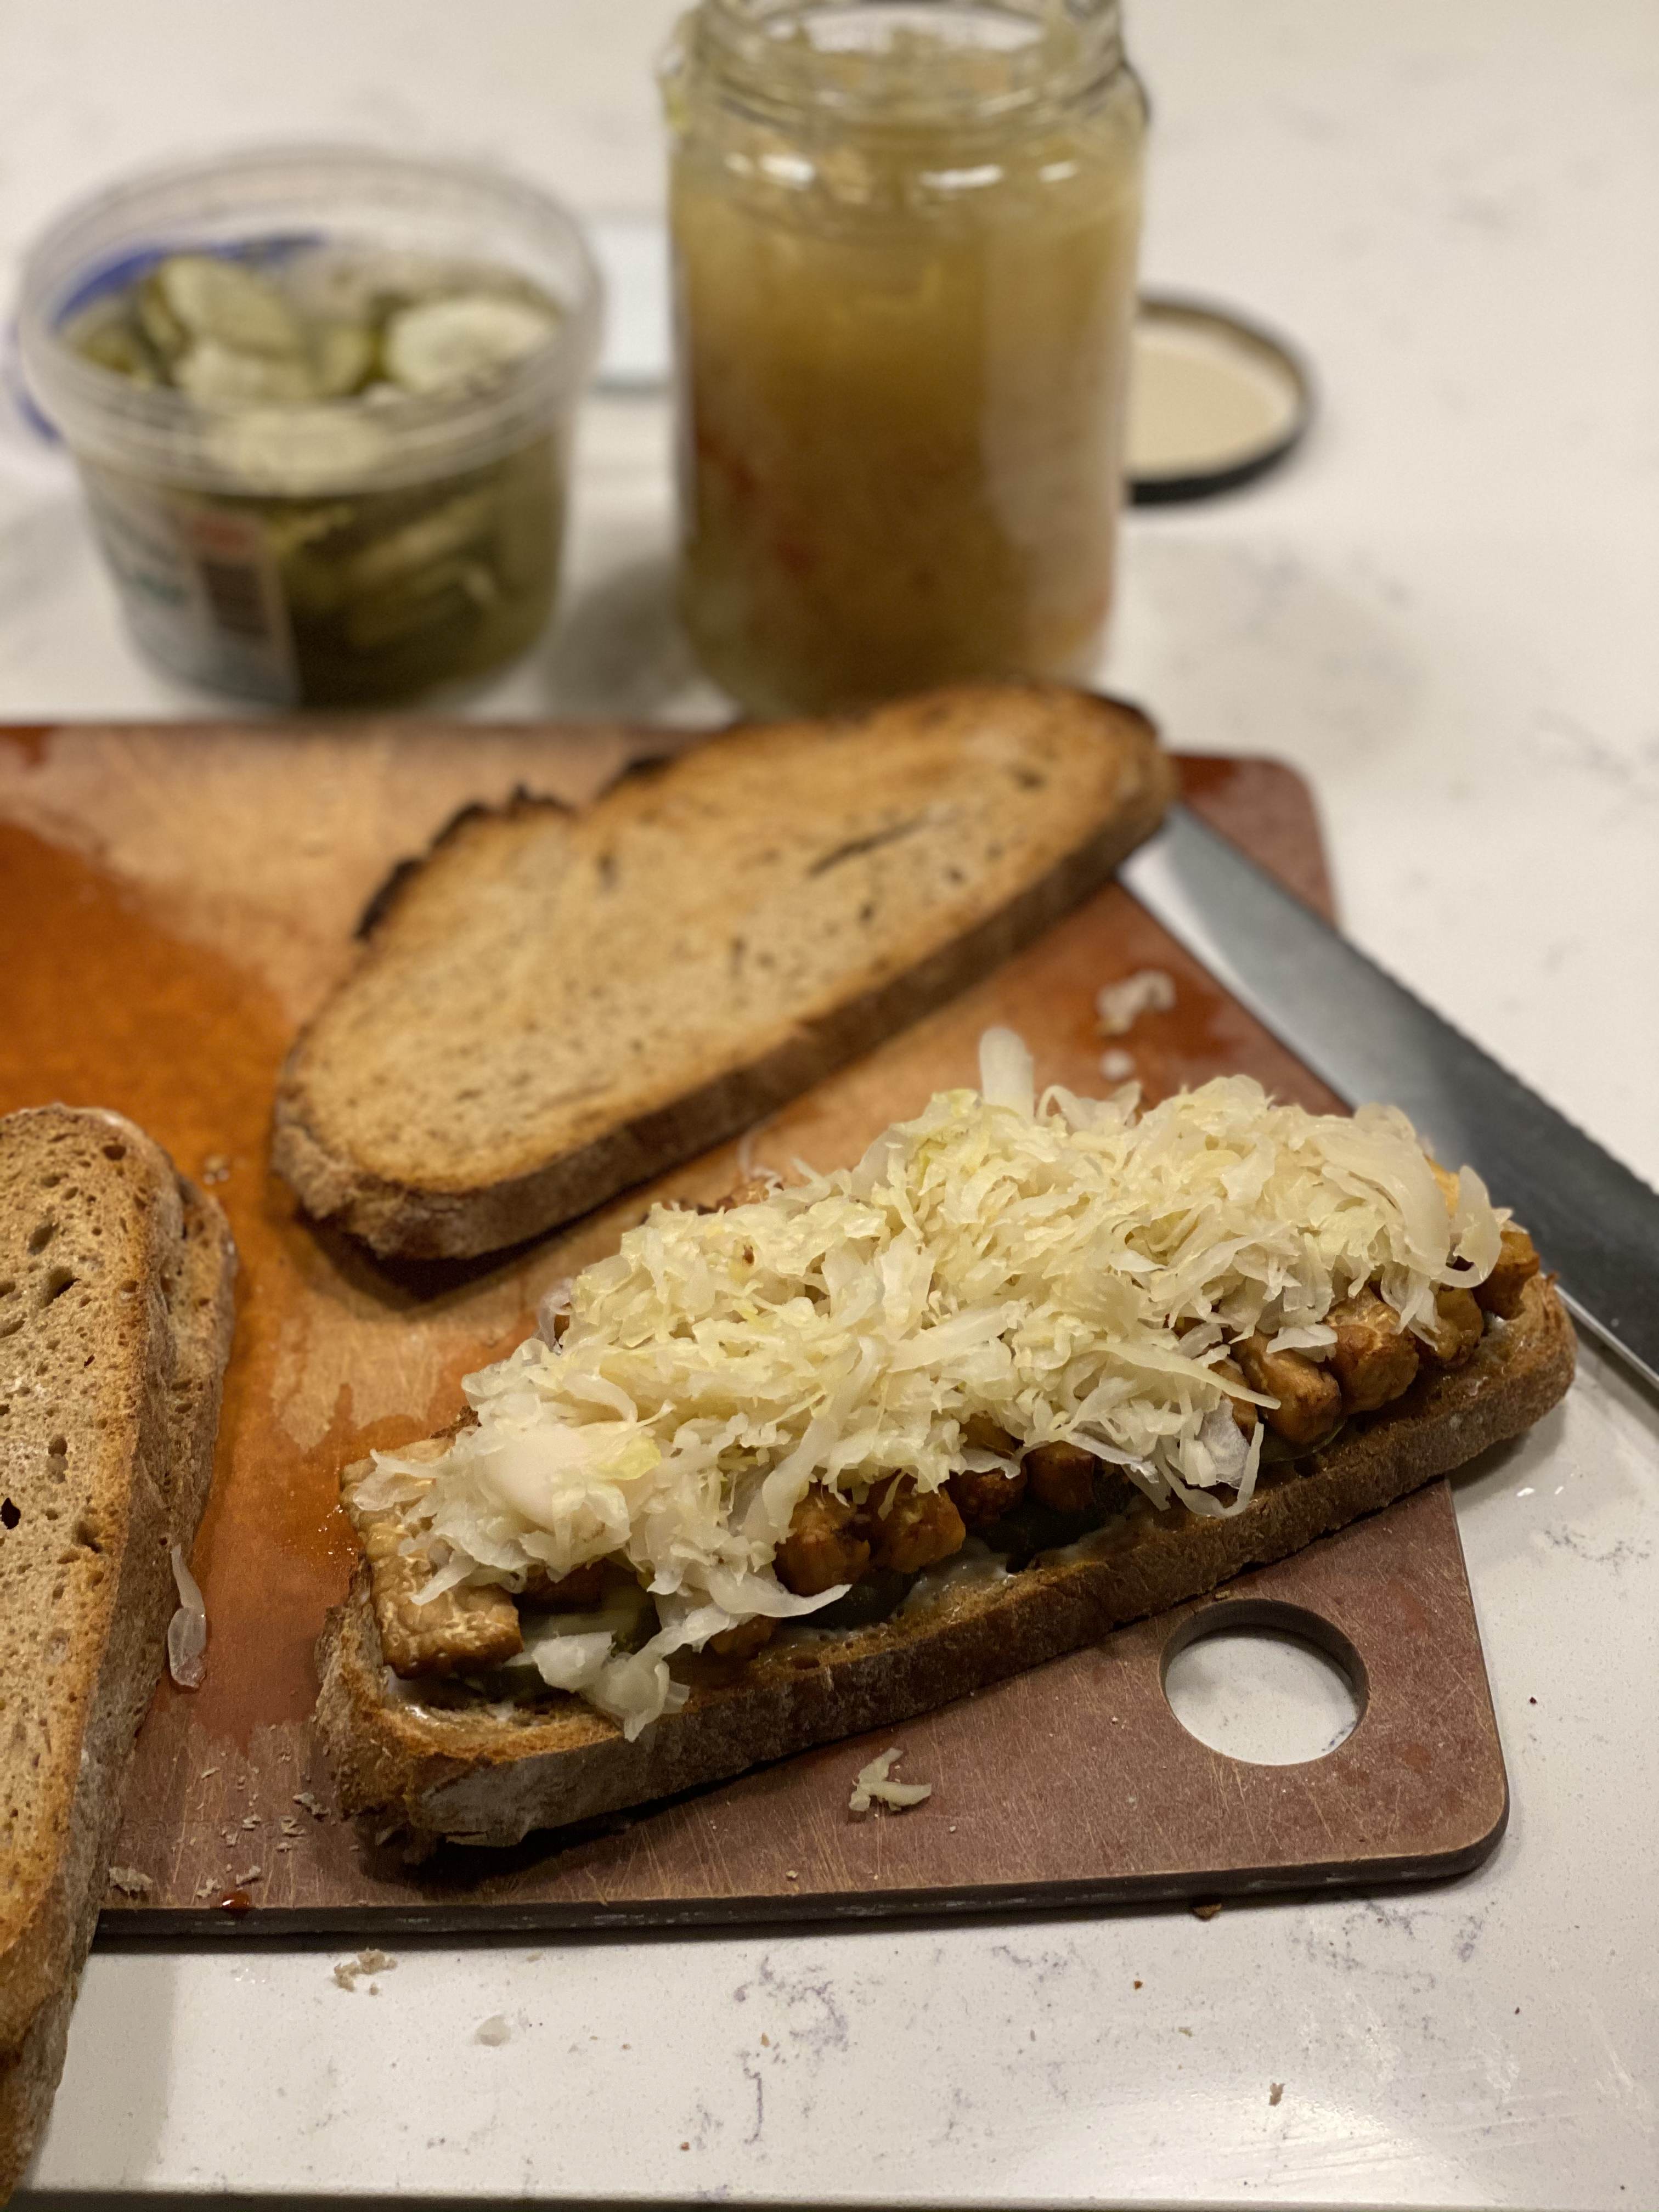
492	1780
555	1006
115	1321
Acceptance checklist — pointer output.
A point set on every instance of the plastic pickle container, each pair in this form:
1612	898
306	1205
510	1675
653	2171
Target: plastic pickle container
321	401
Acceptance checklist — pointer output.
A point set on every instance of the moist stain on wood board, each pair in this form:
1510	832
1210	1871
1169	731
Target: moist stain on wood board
112	1010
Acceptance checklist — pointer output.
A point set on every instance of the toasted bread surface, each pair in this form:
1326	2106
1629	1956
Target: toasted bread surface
555	1006
115	1320
492	1779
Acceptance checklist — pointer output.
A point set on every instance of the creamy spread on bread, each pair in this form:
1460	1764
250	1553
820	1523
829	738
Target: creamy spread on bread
747	1409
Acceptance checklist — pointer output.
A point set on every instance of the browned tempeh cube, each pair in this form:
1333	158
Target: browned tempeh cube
1062	1476
825	1544
1309	1397
910	1528
1455	1330
463	1631
983	1498
1517	1263
580	1589
1373	1359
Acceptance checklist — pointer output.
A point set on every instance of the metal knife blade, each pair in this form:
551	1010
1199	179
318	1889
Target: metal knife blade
1370	1037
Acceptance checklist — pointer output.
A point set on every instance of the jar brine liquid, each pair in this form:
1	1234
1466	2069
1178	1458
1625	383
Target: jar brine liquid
905	242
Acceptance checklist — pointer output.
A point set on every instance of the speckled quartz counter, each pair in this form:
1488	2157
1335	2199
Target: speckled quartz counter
1444	613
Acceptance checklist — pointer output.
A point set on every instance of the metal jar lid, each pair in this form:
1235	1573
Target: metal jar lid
1214	401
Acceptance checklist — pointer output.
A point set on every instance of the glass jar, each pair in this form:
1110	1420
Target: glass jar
904	242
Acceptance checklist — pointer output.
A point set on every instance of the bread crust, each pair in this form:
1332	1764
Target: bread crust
493	1781
446	1216
159	1392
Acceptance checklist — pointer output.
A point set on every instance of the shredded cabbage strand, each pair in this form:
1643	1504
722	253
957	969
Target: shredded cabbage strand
1067	1269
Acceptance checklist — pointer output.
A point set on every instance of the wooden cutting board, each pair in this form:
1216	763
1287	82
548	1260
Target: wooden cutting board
174	900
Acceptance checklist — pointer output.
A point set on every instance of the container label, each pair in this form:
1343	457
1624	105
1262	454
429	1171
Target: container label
199	588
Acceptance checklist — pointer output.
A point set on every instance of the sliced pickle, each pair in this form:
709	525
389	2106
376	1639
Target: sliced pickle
220	376
120	346
230	304
452	590
436	536
297	451
342	359
440	343
159	326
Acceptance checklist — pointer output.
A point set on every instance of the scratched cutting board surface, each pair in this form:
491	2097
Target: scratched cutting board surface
175	901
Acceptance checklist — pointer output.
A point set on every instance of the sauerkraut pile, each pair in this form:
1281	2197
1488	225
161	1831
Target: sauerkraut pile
1067	1269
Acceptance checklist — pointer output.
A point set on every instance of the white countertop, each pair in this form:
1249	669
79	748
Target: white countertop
1443	612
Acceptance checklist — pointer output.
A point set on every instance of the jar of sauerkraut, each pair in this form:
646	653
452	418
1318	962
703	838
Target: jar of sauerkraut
904	252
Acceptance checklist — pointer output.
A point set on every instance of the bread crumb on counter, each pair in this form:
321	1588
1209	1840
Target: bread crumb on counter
494	2031
1275	2091
349	1972
130	1882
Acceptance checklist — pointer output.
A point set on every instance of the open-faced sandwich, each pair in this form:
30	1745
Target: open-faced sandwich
840	1450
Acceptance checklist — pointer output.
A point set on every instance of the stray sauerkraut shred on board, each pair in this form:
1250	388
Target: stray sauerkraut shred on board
1061	1270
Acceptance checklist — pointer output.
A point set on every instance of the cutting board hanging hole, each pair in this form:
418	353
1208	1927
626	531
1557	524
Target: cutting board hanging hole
1268	1684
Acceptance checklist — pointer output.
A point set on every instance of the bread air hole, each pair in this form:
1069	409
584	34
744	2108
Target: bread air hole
58	1280
10	1514
43	1235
